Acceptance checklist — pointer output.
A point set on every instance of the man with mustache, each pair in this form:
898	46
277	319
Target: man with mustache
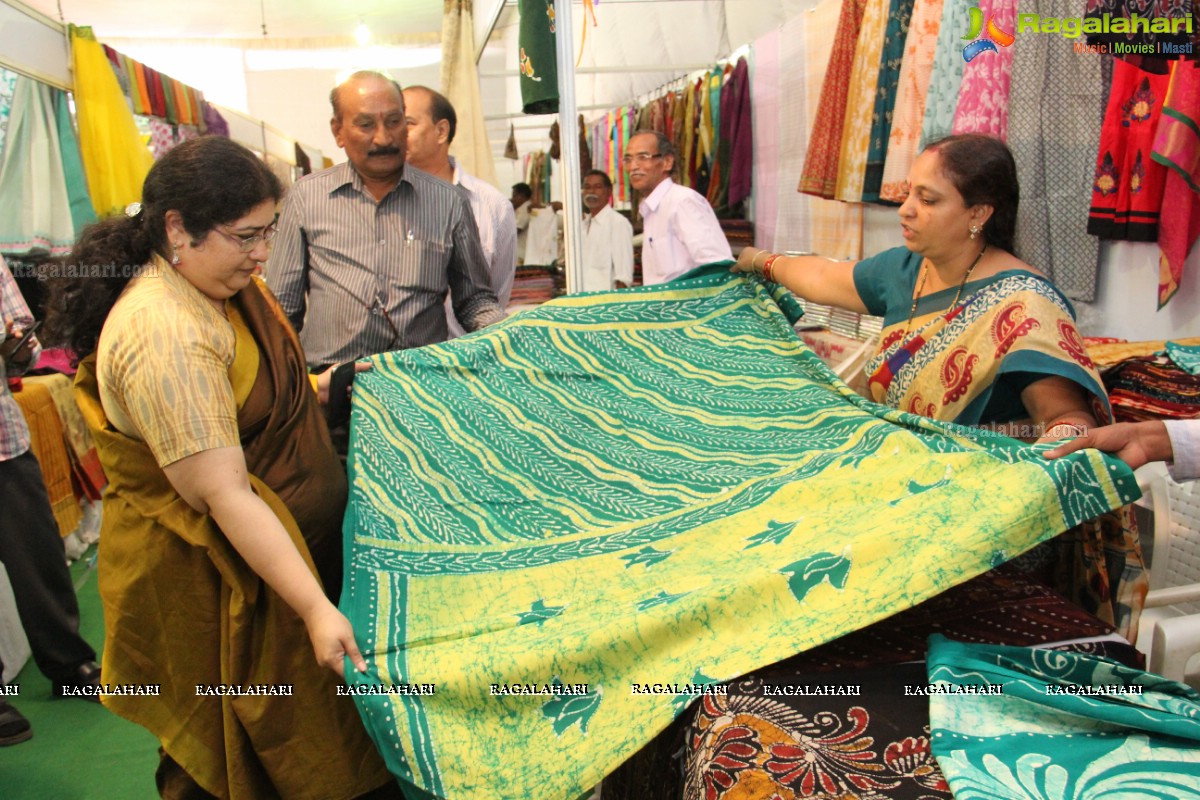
681	231
367	250
607	238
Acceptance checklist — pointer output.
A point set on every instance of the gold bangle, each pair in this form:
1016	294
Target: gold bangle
754	261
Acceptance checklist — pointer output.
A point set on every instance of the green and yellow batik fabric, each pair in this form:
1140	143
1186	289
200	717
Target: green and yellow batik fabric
566	526
1015	723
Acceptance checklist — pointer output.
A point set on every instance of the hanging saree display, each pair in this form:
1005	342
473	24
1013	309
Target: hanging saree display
35	206
946	77
825	139
114	158
895	40
1177	147
983	92
1127	191
1054	113
908	115
856	130
661	486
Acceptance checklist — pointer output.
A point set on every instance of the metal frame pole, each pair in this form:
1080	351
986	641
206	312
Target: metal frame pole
568	126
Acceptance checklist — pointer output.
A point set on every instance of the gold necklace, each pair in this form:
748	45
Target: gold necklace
921	287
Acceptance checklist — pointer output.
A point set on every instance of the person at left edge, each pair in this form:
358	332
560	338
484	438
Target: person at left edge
367	250
31	548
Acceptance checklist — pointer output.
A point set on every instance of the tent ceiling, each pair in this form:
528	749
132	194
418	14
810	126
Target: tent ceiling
239	19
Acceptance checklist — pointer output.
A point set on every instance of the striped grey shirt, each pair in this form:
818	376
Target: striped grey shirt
356	277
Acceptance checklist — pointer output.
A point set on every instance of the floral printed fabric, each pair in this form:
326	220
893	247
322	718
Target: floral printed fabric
983	94
1127	192
895	42
860	104
1059	725
825	142
909	112
942	98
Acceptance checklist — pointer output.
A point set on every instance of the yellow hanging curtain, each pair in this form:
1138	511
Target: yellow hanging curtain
115	159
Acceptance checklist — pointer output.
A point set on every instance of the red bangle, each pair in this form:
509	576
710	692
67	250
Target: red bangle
766	270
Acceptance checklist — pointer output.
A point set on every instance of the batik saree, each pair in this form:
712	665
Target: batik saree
565	528
1024	724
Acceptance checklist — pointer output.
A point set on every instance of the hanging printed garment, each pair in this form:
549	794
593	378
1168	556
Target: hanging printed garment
1017	722
803	222
894	41
983	94
656	486
1177	147
856	130
825	137
538	62
35	208
1054	111
114	158
908	114
1127	190
741	134
942	98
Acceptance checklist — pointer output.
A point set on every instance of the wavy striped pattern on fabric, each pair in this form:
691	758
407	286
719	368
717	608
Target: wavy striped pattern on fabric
655	486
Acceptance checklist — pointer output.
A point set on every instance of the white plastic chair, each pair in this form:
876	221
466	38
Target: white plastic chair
1170	625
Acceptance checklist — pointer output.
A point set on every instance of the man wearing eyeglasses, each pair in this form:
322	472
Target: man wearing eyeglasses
680	230
367	250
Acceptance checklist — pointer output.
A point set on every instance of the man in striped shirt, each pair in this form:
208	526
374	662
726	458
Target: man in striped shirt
431	127
367	250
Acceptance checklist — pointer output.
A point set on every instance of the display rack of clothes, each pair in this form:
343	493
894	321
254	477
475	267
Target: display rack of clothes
44	200
168	111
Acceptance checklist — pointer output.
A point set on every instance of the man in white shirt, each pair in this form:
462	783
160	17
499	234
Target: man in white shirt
1136	443
607	238
522	203
431	126
681	231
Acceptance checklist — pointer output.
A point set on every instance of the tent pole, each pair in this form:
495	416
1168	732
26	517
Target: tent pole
568	127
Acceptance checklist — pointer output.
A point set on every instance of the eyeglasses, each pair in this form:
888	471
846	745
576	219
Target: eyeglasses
640	158
248	243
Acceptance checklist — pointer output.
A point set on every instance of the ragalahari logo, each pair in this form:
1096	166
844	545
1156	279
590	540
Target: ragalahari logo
983	44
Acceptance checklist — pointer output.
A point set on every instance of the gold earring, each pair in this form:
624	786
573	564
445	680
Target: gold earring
974	230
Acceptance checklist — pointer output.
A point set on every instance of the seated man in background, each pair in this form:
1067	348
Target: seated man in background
431	126
607	238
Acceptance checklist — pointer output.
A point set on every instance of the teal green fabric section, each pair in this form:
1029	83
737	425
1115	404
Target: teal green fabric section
1186	357
1016	723
661	485
82	213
